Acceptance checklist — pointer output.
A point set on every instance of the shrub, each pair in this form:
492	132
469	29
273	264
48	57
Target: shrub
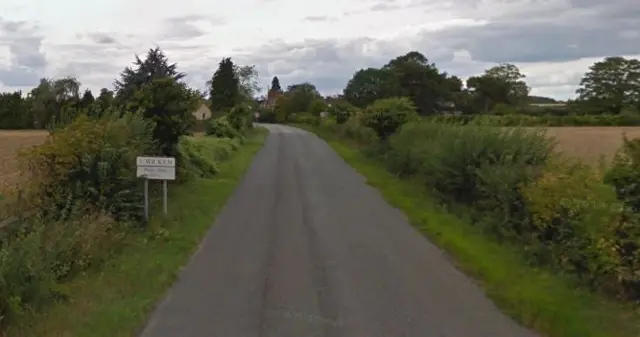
90	162
221	128
385	116
317	106
306	118
199	156
624	175
240	118
169	105
35	263
468	163
341	111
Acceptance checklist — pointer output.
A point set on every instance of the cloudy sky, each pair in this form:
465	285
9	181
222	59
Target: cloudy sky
324	42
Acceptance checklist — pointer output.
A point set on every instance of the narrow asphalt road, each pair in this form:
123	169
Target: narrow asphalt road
305	248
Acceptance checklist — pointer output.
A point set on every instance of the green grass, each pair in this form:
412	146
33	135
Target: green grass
116	300
538	298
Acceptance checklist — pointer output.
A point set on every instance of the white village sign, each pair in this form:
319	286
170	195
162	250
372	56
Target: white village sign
155	168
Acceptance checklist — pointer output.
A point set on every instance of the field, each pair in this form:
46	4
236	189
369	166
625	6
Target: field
586	143
590	143
12	142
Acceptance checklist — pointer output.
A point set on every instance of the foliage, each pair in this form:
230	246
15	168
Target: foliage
385	116
624	174
508	118
169	105
225	87
240	118
500	85
368	85
154	66
90	162
248	85
199	156
317	106
298	98
221	128
611	85
275	85
35	264
14	113
341	111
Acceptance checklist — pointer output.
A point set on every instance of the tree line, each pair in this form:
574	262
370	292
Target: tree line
152	86
609	87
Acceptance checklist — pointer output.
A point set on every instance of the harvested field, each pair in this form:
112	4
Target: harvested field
10	143
590	143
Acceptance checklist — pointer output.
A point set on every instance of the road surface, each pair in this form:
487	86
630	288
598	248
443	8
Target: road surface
305	248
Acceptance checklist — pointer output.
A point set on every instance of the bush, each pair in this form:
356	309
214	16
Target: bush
342	111
240	118
198	157
317	106
550	120
305	118
385	116
169	105
469	164
90	162
221	128
35	263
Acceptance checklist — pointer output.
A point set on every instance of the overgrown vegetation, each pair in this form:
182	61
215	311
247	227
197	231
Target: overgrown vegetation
82	203
557	214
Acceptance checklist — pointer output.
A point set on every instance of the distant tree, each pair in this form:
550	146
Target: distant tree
421	82
540	100
170	105
385	116
611	85
275	85
502	84
225	87
104	101
368	85
156	65
341	110
87	99
301	96
54	100
14	113
317	106
248	84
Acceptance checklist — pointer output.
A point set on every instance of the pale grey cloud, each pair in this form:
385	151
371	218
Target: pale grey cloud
553	41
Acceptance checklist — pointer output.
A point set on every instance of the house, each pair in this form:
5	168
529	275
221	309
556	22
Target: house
203	113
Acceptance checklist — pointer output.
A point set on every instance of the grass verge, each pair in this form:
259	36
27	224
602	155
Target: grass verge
116	300
538	298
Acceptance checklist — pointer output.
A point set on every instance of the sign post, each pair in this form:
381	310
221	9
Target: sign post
156	168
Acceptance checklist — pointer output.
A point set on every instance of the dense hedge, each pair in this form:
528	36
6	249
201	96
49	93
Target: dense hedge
84	188
562	213
526	120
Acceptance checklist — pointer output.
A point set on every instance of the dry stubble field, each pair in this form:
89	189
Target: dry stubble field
586	143
11	142
590	143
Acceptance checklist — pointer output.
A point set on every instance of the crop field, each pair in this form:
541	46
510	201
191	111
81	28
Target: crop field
11	142
590	143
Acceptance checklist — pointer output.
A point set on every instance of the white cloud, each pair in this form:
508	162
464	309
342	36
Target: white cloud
552	41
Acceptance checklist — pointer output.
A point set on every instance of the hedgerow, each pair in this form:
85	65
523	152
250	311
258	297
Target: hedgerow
562	214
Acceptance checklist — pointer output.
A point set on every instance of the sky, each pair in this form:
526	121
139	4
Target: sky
553	42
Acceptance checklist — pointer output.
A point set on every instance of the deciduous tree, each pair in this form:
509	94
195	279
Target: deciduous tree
611	85
368	85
